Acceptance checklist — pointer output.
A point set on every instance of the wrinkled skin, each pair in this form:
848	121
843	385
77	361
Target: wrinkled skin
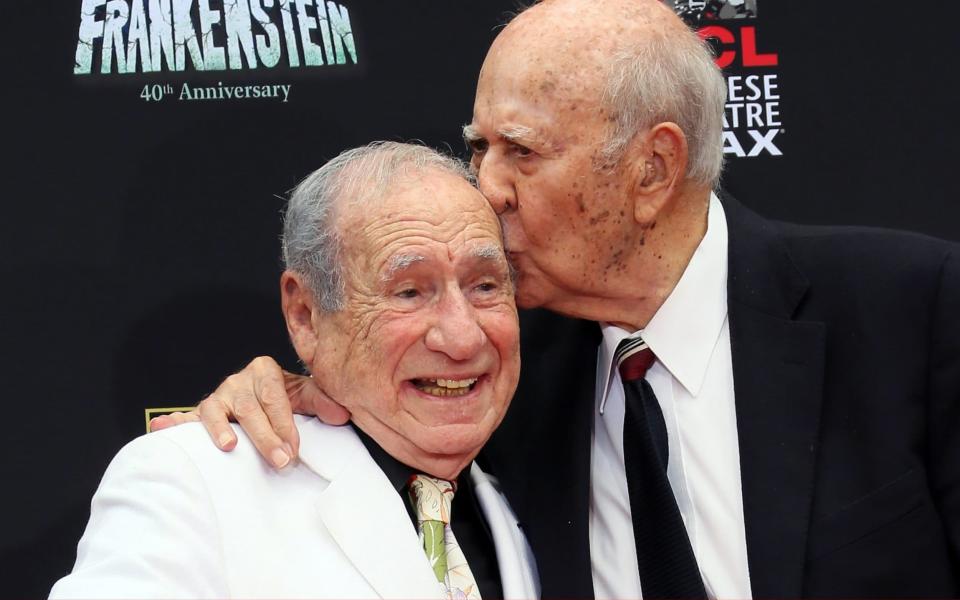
579	223
593	238
428	297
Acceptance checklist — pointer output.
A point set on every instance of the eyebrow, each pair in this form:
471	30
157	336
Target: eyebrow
518	133
399	262
470	134
488	252
493	253
515	134
512	133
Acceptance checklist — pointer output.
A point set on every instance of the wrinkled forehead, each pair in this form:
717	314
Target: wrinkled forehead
442	199
421	208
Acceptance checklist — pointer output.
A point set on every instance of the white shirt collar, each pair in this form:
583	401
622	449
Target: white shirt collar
683	332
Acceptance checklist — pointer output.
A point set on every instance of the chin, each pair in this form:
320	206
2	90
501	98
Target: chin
530	292
525	301
457	439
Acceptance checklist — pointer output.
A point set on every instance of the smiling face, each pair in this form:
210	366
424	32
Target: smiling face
426	353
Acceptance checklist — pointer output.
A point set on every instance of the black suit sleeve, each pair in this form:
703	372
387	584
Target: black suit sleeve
944	395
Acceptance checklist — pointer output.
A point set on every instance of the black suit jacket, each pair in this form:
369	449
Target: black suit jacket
846	364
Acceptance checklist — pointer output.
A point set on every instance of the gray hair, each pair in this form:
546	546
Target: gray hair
668	77
311	241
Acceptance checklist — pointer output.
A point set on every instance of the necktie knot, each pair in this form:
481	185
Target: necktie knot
432	498
633	358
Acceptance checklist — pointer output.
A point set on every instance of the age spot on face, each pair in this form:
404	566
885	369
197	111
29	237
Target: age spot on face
600	217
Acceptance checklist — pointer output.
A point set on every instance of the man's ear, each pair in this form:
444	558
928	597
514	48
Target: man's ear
297	303
658	163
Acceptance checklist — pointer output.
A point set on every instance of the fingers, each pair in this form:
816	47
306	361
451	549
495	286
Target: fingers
215	414
172	419
236	398
270	388
257	399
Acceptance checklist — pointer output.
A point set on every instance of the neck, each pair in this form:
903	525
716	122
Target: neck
441	466
633	297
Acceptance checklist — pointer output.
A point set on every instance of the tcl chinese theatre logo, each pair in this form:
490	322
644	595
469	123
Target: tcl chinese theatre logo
752	120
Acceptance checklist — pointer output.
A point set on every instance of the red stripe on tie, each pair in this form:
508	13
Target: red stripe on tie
635	366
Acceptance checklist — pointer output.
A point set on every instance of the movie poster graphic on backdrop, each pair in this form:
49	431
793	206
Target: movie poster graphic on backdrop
752	124
713	10
127	38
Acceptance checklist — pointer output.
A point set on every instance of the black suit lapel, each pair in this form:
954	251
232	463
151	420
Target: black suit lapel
778	377
541	451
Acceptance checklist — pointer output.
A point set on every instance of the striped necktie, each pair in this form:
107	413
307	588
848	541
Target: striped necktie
668	567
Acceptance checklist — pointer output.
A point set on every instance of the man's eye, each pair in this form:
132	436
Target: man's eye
521	151
408	293
477	146
487	286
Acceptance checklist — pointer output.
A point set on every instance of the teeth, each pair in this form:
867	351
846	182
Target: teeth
439	391
446	387
456	383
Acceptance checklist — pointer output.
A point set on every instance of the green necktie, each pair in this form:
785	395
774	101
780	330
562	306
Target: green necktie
431	500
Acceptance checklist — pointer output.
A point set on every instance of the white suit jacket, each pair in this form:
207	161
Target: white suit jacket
174	517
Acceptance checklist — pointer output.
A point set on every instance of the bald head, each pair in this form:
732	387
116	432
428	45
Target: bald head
596	137
635	62
598	28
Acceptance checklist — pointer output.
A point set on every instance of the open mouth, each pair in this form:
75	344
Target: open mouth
445	387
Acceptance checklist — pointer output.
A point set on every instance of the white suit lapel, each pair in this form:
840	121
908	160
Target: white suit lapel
365	516
518	571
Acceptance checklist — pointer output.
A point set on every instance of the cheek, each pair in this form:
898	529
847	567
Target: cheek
395	337
502	328
544	214
377	354
561	209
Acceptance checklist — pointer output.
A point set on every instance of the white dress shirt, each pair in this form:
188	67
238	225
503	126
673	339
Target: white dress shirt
693	382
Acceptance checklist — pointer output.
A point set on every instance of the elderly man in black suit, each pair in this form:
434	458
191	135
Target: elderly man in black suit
793	427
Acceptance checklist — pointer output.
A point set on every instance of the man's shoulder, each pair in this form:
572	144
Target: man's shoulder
851	239
841	254
834	239
190	444
887	258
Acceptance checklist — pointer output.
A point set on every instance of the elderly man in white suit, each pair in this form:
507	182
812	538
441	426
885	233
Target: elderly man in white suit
395	268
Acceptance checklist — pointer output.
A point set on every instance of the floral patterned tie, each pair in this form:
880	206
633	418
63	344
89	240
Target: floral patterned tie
431	500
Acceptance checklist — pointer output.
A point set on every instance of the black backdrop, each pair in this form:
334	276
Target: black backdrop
140	253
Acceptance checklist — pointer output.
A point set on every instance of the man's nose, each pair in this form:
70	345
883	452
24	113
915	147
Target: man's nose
496	184
456	332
